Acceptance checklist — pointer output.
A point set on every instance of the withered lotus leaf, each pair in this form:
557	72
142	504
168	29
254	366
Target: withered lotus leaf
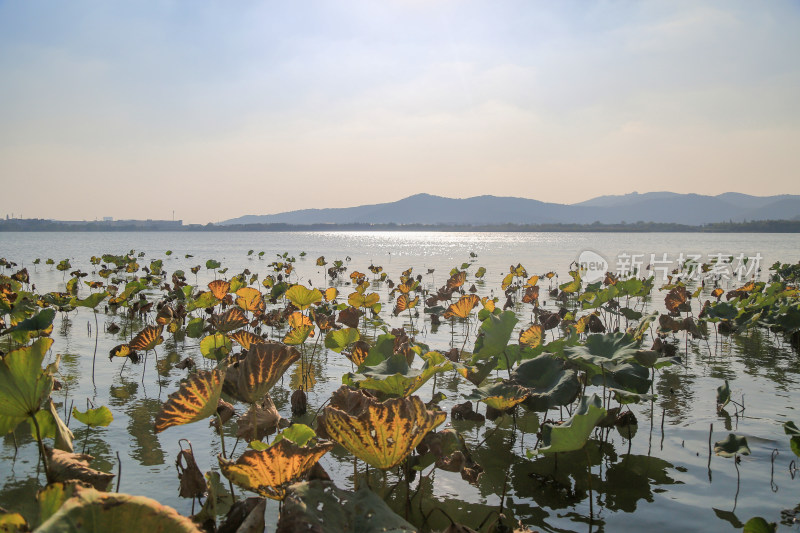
358	352
121	350
532	336
148	338
165	315
462	307
349	317
246	339
381	434
252	377
298	320
676	299
358	299
66	466
228	321
250	299
456	280
268	472
196	399
219	288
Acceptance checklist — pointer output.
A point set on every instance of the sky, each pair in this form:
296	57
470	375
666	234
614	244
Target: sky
213	110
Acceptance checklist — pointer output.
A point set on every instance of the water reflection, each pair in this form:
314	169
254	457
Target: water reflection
146	447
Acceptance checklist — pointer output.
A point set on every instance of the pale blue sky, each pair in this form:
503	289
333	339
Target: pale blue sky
218	109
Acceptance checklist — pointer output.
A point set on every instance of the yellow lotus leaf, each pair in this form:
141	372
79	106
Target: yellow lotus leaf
357	277
488	303
358	353
406	287
246	339
298	335
219	288
196	399
404	303
268	472
298	319
716	293
148	338
357	299
532	336
121	350
230	320
533	280
330	294
462	307
507	281
550	275
250	378
303	297
382	434
250	299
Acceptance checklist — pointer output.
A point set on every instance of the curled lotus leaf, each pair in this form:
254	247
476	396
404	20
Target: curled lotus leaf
250	378
462	307
404	303
574	433
298	320
219	288
148	338
358	353
500	395
676	300
246	339
196	399
298	335
303	297
549	382
319	505
268	472
92	510
67	466
381	434
230	320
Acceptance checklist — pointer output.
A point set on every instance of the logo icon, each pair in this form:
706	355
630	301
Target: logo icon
592	266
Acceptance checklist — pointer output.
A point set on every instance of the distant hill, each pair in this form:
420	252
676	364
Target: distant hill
662	207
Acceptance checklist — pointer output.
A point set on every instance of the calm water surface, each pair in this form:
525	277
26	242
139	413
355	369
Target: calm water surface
663	483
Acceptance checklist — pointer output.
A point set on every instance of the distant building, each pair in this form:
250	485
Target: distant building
108	219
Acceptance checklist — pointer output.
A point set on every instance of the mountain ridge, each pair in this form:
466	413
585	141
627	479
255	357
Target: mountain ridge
662	206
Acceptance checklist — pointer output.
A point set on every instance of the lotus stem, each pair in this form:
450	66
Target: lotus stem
42	451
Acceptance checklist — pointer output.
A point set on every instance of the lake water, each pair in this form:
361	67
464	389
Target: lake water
664	482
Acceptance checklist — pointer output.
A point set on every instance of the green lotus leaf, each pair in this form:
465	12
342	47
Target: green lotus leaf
92	510
213	264
759	525
91	301
394	377
549	383
338	340
653	359
494	334
732	445
300	434
574	433
24	384
625	397
13	523
39	325
606	360
203	301
98	417
216	346
194	328
320	506
52	497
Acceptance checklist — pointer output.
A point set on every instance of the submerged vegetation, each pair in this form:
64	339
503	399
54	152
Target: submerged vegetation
540	391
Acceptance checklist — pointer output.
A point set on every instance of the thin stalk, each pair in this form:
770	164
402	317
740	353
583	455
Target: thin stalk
45	461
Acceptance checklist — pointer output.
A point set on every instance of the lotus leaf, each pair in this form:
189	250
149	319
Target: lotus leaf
732	445
495	332
394	377
215	346
148	338
24	384
340	339
250	299
319	506
268	472
549	383
500	395
462	307
93	510
302	297
574	433
196	399
381	434
246	339
790	428
230	320
100	416
251	378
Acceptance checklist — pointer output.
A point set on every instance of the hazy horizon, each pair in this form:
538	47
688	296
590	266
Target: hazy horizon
214	111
